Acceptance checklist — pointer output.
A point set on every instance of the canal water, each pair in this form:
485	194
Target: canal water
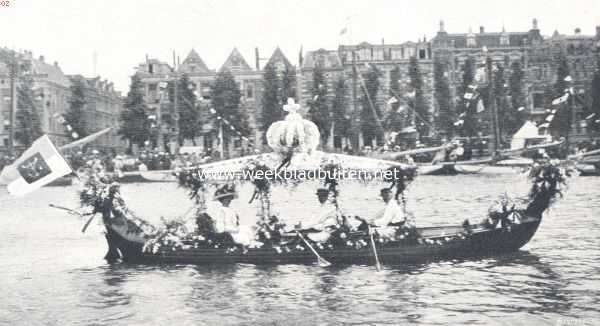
52	274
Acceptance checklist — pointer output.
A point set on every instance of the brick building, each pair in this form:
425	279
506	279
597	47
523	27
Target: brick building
538	56
51	94
339	63
102	109
536	53
155	74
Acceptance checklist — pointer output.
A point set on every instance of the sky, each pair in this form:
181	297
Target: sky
122	32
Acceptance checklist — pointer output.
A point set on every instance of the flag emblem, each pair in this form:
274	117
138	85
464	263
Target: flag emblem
34	168
39	165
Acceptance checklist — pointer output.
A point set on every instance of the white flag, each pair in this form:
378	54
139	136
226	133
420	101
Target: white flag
392	100
468	96
550	118
561	99
568	79
459	122
39	165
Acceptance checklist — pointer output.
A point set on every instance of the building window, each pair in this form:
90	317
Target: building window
422	54
205	91
471	41
378	54
504	39
538	100
249	91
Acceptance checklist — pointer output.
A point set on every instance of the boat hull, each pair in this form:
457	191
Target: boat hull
436	246
449	169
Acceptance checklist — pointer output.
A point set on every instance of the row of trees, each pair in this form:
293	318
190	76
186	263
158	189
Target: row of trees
332	109
329	106
185	118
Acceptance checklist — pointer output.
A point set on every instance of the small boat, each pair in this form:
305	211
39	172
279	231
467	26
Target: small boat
588	163
437	243
61	182
506	227
130	238
146	176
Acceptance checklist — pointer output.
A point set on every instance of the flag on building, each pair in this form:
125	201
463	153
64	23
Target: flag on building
561	99
39	165
392	100
344	31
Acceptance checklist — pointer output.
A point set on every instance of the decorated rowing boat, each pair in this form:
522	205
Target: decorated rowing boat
508	225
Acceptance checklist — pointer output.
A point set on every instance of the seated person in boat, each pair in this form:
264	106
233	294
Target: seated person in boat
391	215
225	221
329	214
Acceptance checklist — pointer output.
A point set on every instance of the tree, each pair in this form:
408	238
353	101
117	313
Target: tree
393	118
594	121
500	96
288	83
75	115
319	106
225	99
514	118
370	113
271	100
420	105
467	110
443	98
561	124
135	126
189	126
27	125
338	106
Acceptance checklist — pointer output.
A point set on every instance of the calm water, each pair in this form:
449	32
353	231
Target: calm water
52	274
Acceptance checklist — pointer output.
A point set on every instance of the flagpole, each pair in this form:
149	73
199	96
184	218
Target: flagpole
492	101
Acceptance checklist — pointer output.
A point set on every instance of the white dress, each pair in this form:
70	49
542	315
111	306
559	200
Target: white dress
226	220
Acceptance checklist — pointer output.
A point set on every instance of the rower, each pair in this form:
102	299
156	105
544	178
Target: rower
329	217
392	214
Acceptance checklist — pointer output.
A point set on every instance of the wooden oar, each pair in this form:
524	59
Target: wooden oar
74	212
320	260
377	264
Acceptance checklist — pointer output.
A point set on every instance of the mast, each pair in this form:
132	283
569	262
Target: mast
356	126
492	104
